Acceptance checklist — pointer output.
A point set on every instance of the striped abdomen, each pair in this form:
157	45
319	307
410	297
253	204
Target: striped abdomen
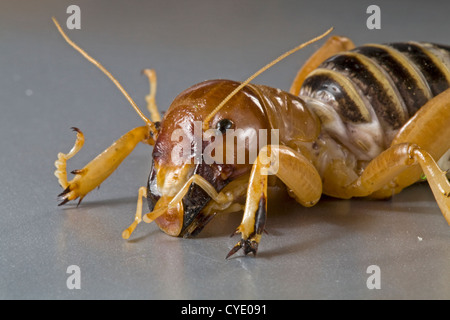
364	96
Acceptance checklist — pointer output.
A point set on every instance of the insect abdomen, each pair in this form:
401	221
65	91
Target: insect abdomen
380	86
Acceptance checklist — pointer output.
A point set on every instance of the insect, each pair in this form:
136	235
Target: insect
356	122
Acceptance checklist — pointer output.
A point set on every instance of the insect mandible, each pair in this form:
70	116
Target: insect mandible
356	122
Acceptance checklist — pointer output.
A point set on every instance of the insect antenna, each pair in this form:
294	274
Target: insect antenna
149	123
243	84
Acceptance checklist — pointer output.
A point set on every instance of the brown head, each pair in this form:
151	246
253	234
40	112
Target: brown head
183	148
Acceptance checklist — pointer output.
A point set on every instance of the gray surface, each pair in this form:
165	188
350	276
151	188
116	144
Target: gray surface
46	88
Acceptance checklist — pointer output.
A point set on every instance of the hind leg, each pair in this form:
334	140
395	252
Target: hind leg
382	177
430	129
333	45
413	152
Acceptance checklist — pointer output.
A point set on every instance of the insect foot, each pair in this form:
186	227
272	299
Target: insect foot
251	227
70	193
73	189
70	188
247	245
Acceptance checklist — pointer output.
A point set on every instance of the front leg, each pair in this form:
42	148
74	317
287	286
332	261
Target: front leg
294	170
96	171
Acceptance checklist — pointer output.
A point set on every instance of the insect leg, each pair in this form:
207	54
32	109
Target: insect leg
96	171
428	128
334	44
150	98
166	203
60	164
294	170
220	198
382	172
138	216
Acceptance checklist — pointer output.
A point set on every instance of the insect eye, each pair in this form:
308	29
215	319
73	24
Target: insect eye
224	124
